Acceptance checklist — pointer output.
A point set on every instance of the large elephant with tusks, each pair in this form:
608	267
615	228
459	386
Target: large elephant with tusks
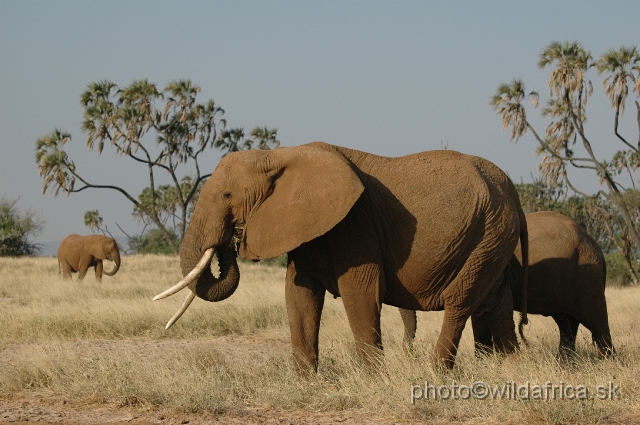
429	231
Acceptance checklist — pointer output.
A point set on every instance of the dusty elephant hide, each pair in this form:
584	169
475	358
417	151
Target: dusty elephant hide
429	231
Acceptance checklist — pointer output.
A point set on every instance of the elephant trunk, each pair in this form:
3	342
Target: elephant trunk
213	289
116	260
201	281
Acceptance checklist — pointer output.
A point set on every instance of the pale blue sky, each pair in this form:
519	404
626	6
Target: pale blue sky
390	78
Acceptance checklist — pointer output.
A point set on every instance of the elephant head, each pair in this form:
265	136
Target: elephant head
106	249
274	201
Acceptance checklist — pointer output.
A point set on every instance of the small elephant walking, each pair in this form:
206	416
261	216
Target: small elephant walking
77	253
567	276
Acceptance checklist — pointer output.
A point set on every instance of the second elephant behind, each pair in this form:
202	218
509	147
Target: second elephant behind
567	276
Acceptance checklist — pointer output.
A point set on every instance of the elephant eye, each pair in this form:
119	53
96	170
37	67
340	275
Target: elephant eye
226	195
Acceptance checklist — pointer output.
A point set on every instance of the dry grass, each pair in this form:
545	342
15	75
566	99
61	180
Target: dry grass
106	343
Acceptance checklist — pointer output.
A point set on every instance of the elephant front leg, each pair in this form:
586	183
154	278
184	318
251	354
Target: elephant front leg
99	271
305	299
362	290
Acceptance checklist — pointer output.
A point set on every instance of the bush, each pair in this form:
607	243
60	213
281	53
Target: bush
617	269
151	242
16	227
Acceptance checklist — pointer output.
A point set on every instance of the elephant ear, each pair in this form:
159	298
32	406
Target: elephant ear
312	190
94	247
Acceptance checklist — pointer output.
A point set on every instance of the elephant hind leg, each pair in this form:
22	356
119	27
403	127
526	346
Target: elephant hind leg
568	327
65	268
499	320
474	285
599	328
410	323
602	339
482	338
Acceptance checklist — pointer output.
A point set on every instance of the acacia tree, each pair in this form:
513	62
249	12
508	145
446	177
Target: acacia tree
17	228
538	196
569	91
124	118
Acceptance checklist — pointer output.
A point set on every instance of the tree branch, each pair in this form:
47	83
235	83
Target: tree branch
615	125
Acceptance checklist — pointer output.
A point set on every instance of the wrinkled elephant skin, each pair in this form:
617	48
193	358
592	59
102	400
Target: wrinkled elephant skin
567	277
429	231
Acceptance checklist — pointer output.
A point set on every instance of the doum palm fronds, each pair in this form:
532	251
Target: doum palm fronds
567	79
53	162
620	66
507	102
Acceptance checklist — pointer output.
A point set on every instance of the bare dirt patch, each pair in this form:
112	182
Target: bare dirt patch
26	411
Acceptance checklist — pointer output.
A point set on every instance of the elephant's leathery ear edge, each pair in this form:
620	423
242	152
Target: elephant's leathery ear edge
314	191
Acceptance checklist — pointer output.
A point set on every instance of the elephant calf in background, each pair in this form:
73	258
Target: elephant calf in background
77	253
567	275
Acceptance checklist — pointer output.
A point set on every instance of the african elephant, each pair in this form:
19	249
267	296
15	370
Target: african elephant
77	253
567	275
428	231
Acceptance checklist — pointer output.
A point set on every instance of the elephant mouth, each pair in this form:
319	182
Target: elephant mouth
236	238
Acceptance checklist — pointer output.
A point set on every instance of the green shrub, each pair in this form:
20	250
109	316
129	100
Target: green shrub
151	242
17	228
617	269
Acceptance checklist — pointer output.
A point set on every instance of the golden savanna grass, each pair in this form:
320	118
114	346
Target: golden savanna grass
105	343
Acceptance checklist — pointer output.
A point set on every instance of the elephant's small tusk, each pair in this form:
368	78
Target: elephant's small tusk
193	275
183	308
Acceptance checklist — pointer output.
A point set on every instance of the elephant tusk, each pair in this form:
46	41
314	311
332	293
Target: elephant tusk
183	308
193	275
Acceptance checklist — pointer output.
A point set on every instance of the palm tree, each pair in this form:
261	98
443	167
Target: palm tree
620	65
567	79
507	102
53	162
230	140
264	137
569	90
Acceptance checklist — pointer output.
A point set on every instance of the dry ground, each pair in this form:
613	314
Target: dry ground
89	353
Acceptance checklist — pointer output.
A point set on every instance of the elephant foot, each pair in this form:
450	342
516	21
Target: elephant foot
443	358
605	348
304	369
371	356
567	356
483	350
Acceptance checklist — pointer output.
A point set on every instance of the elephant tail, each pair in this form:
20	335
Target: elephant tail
520	331
524	247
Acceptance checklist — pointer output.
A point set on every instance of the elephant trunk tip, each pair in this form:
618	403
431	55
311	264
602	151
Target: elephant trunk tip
114	271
